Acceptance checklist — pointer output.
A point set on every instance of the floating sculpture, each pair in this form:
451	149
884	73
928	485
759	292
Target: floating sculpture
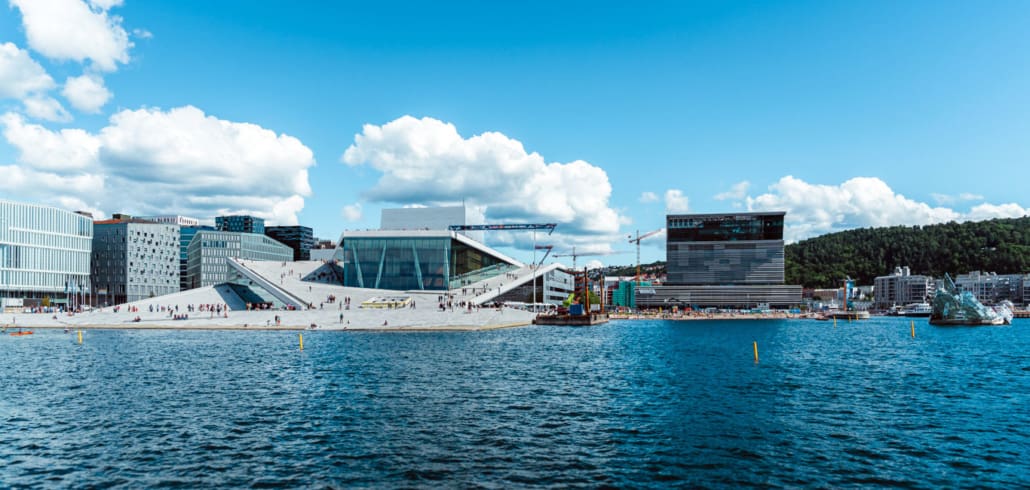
954	307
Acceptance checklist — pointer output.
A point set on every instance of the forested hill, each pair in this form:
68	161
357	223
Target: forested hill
1000	245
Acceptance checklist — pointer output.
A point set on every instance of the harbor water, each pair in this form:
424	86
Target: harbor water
626	404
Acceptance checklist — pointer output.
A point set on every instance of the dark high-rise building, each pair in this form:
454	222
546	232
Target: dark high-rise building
733	260
241	224
299	238
725	249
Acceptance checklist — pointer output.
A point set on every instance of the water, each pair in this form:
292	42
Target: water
628	404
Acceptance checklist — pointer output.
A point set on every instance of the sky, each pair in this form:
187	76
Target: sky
600	117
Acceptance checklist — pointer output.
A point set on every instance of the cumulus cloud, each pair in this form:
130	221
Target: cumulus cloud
737	191
352	212
950	199
151	161
991	211
648	197
676	202
142	33
86	93
45	108
20	75
77	31
42	149
815	209
427	161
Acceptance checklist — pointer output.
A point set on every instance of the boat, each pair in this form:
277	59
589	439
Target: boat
920	310
20	333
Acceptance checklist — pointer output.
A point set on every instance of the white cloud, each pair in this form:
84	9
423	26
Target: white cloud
426	161
352	212
737	191
142	33
46	108
648	197
593	264
676	202
949	199
154	162
987	211
19	179
106	4
71	30
20	75
859	202
43	149
86	93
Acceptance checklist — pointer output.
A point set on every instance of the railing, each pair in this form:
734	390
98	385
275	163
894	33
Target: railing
479	275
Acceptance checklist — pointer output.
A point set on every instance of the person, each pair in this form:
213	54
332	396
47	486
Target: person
341	317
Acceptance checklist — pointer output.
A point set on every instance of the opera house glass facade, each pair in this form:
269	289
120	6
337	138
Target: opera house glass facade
430	260
44	252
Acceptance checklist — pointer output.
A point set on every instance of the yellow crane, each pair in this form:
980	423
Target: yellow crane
637	241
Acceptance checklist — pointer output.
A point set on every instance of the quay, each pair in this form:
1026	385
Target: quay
572	320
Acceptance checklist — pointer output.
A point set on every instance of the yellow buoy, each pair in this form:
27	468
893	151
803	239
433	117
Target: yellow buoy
913	329
834	322
756	351
301	341
80	336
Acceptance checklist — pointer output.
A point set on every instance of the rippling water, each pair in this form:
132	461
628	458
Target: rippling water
628	404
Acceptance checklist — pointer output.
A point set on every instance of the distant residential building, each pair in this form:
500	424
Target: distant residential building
299	238
733	260
992	288
134	259
208	250
240	224
901	288
44	253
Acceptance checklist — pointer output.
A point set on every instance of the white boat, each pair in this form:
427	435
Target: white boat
917	310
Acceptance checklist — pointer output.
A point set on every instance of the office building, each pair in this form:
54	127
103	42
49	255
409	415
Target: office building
299	238
723	260
901	288
991	288
134	259
240	224
208	250
44	253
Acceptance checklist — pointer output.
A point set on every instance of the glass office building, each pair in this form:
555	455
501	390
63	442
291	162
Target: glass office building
434	260
44	252
241	223
208	249
300	238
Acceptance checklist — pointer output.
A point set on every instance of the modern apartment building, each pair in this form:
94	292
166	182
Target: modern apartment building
901	288
724	260
208	250
991	288
299	238
241	224
134	259
44	253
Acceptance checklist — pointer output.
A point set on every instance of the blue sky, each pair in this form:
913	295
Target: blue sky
599	116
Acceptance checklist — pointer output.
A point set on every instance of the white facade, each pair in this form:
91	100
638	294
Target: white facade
172	220
44	251
901	288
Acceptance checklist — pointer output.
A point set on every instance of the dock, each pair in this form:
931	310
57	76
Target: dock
572	320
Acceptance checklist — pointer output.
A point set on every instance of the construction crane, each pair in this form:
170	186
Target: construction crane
544	247
506	227
573	254
637	241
